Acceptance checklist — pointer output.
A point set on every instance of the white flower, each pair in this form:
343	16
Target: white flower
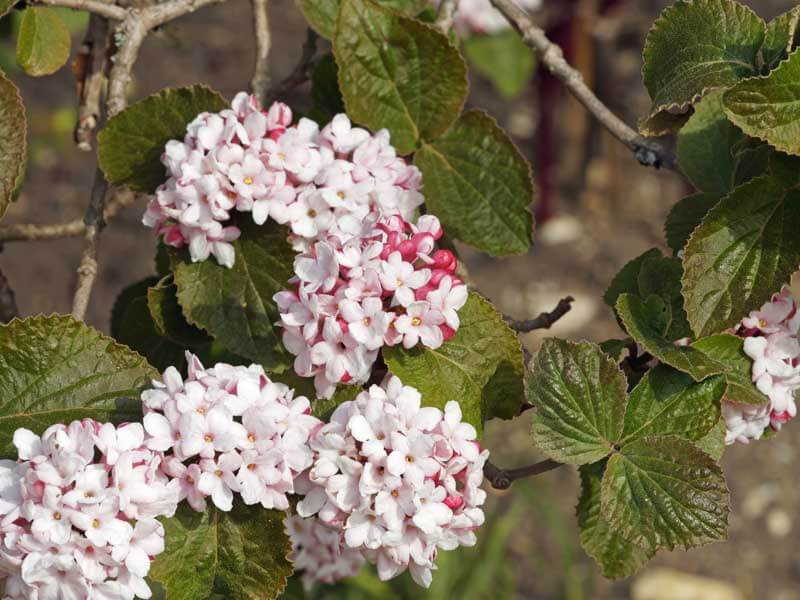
420	323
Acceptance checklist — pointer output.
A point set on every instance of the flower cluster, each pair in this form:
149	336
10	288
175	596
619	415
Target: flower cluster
771	341
320	553
400	480
227	430
78	513
321	183
388	286
480	17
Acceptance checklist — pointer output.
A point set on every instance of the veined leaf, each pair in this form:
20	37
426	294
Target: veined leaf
43	43
12	141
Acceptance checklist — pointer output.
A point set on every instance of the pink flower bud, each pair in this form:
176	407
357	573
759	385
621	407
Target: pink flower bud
453	502
444	259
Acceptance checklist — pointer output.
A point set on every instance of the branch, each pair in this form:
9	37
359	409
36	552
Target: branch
8	305
262	77
89	70
647	152
301	72
98	7
444	18
501	479
545	320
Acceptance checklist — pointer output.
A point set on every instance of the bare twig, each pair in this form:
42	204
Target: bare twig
301	72
647	151
444	18
501	479
89	69
108	10
8	305
545	320
262	77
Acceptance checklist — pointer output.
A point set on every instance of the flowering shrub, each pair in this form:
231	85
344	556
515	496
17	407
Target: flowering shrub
324	257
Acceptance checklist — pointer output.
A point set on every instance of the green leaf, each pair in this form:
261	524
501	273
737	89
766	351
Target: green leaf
6	6
12	141
130	145
713	443
325	92
685	217
241	554
662	277
780	38
696	47
479	185
235	305
55	370
713	153
43	43
728	350
664	492
615	348
668	402
647	320
503	58
323	409
397	73
627	280
579	393
480	367
746	248
617	557
321	14
768	108
162	302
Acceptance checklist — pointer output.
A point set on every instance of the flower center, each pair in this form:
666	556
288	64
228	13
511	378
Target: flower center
416	321
190	479
311	213
395	493
341	195
409	459
56	516
251	467
96	523
248	180
251	438
762	323
218	473
208	438
201	411
367	321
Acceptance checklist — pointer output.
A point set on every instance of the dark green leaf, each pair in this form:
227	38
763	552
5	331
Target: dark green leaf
479	185
709	148
617	557
746	248
12	141
662	277
321	14
480	367
615	348
162	301
55	370
235	305
695	47
323	409
503	58
780	38
130	145
397	73
240	555
6	6
43	43
579	393
668	402
713	443
661	492
685	217
627	280
727	350
646	321
325	89
767	107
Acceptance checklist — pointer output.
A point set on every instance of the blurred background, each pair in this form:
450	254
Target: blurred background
597	209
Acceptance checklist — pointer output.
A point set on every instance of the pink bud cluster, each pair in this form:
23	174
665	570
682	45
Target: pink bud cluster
244	159
388	286
319	552
227	430
771	341
400	480
480	17
78	513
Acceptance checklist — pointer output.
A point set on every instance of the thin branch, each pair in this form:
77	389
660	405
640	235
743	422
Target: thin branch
262	76
302	71
501	479
444	18
98	7
545	320
89	70
647	152
8	304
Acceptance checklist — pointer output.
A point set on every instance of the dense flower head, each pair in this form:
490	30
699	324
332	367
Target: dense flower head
228	429
402	481
78	512
321	183
479	16
320	553
771	341
388	286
